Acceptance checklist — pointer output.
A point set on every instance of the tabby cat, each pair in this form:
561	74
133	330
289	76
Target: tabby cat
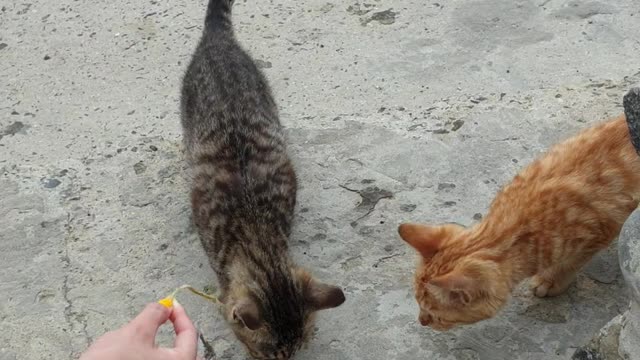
546	224
243	195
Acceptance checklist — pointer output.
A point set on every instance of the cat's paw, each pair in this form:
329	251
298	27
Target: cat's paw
561	284
543	287
540	286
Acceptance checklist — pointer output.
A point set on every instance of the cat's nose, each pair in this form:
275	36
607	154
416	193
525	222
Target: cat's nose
425	319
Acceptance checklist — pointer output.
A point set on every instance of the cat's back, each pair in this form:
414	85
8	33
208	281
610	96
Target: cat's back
224	91
232	135
600	155
595	170
220	65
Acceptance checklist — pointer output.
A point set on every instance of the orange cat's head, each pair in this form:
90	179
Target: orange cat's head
457	281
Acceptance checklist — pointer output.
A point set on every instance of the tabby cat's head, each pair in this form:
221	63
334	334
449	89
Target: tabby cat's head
274	322
456	282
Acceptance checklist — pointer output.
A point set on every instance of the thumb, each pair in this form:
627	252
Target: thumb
186	334
146	324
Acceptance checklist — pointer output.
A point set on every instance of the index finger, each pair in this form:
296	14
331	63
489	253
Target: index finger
186	342
146	324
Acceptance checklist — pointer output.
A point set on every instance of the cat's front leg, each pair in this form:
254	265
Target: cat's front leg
552	283
555	280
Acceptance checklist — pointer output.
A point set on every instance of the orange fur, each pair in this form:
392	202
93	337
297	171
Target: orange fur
546	224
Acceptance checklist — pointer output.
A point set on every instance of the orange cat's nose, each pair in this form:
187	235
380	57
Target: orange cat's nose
425	319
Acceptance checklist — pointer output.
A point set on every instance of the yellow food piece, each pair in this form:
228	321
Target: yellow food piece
166	302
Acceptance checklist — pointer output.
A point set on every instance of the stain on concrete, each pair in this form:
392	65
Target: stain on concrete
51	183
446	186
578	9
370	196
15	128
359	9
387	17
139	168
408	207
457	124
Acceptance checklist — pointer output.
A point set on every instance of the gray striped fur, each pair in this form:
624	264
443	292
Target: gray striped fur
243	194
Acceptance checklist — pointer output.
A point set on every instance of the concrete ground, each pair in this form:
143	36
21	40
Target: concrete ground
396	111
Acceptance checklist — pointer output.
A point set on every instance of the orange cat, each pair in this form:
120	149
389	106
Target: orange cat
546	224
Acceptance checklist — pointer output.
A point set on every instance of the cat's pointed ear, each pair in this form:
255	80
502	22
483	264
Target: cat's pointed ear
323	296
427	240
457	287
247	313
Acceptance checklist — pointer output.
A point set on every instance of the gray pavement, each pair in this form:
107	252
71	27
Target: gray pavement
396	111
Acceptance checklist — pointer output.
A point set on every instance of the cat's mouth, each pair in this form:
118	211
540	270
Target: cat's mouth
427	320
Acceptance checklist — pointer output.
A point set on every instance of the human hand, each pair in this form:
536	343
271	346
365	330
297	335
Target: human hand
136	340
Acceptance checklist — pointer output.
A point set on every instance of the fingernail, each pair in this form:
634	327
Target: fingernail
176	303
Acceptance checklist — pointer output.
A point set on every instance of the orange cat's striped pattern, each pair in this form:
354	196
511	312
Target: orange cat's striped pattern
545	225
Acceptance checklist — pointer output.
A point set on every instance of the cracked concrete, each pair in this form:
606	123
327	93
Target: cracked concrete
436	103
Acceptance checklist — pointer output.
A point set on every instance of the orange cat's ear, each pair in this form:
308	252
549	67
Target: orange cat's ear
456	286
427	240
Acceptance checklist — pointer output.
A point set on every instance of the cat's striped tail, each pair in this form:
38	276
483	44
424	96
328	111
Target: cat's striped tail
219	15
631	104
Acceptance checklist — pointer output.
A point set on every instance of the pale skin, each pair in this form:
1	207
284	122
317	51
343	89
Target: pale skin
137	339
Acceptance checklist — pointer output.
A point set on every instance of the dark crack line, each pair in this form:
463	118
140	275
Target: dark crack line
68	309
352	190
65	283
67	265
359	193
131	45
513	138
209	353
348	260
365	215
84	323
383	259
